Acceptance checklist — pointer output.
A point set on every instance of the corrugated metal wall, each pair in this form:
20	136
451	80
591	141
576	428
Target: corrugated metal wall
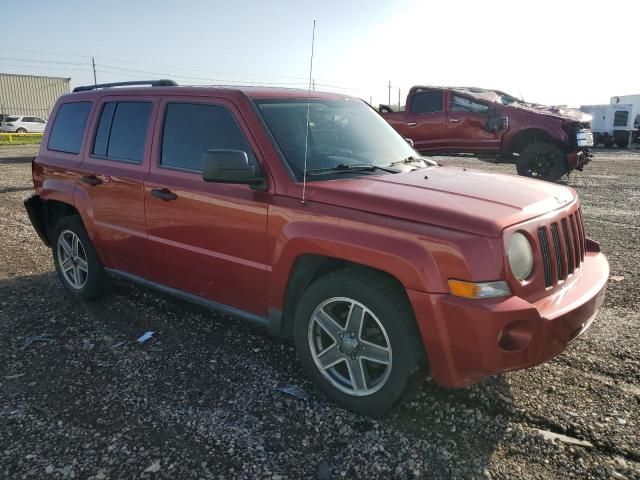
29	94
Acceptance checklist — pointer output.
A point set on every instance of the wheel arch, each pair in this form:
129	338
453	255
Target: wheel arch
520	140
309	267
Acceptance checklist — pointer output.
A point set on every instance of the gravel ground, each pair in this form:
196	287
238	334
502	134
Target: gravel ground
80	398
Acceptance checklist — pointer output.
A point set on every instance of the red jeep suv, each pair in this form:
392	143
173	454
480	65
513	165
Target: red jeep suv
306	213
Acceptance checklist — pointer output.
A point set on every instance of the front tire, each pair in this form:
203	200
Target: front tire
76	261
21	130
357	339
542	160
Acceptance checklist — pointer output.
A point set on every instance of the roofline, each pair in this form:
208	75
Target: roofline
68	79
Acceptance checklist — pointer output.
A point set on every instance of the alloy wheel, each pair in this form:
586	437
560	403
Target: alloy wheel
72	259
350	346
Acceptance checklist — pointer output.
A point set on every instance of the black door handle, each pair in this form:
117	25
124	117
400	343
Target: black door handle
163	194
91	180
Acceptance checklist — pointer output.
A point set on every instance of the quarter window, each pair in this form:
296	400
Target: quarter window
122	131
190	129
427	102
68	127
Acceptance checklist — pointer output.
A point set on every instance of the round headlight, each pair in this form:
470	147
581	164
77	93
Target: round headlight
520	256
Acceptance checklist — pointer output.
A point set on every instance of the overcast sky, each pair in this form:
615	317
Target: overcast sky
560	51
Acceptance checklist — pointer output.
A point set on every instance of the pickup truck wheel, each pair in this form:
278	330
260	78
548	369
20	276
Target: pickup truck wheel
357	339
76	262
542	160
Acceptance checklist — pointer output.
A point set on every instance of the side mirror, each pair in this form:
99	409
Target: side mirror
409	141
229	166
504	123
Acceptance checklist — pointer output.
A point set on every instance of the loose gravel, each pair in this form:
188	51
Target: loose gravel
81	398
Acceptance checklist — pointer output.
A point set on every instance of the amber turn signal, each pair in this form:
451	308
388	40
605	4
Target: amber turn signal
460	288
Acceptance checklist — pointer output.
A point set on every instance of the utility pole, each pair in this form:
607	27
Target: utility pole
370	100
389	86
313	84
398	99
93	64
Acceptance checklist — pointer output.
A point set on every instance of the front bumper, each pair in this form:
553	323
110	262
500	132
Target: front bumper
577	160
469	340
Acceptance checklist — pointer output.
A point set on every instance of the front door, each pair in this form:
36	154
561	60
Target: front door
207	239
467	120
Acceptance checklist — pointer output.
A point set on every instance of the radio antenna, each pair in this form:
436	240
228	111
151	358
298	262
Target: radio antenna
306	135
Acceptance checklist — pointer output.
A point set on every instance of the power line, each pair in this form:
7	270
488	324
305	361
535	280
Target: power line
40	52
35	60
64	69
27	63
118	60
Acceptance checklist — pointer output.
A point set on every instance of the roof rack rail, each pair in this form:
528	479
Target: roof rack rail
153	83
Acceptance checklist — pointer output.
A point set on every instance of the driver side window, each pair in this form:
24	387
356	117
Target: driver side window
462	104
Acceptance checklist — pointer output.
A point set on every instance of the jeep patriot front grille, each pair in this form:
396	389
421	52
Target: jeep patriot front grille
563	247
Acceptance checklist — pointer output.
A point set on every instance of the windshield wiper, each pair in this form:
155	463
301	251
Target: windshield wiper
413	159
350	167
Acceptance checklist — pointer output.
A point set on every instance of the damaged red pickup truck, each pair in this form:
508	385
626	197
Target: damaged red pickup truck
380	264
547	141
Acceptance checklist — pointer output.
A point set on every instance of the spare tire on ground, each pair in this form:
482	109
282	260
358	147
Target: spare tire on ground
542	160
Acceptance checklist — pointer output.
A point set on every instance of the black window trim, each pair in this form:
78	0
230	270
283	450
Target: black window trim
117	101
84	132
158	158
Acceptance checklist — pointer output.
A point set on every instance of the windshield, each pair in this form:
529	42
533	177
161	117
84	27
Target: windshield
11	119
341	133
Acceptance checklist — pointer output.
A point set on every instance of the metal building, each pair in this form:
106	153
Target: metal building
30	94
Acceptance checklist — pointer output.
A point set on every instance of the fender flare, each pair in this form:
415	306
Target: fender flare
408	262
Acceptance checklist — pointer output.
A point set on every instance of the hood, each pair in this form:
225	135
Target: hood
456	198
557	111
561	112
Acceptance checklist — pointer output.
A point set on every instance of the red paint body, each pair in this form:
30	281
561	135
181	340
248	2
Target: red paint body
466	132
238	246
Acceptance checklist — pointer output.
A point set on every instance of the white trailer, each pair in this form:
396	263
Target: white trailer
634	101
611	124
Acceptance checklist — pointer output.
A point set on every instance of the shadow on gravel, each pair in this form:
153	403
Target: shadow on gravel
460	428
15	189
203	383
16	160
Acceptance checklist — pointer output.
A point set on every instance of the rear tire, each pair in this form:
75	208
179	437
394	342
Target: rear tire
21	130
77	264
542	160
348	323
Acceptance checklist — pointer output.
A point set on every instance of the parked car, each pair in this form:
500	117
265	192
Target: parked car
306	213
547	141
23	124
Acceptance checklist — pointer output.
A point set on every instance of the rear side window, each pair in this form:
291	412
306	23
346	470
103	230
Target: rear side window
122	131
427	102
190	129
68	127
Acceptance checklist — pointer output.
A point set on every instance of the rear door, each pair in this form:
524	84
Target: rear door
207	239
426	120
467	120
115	165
